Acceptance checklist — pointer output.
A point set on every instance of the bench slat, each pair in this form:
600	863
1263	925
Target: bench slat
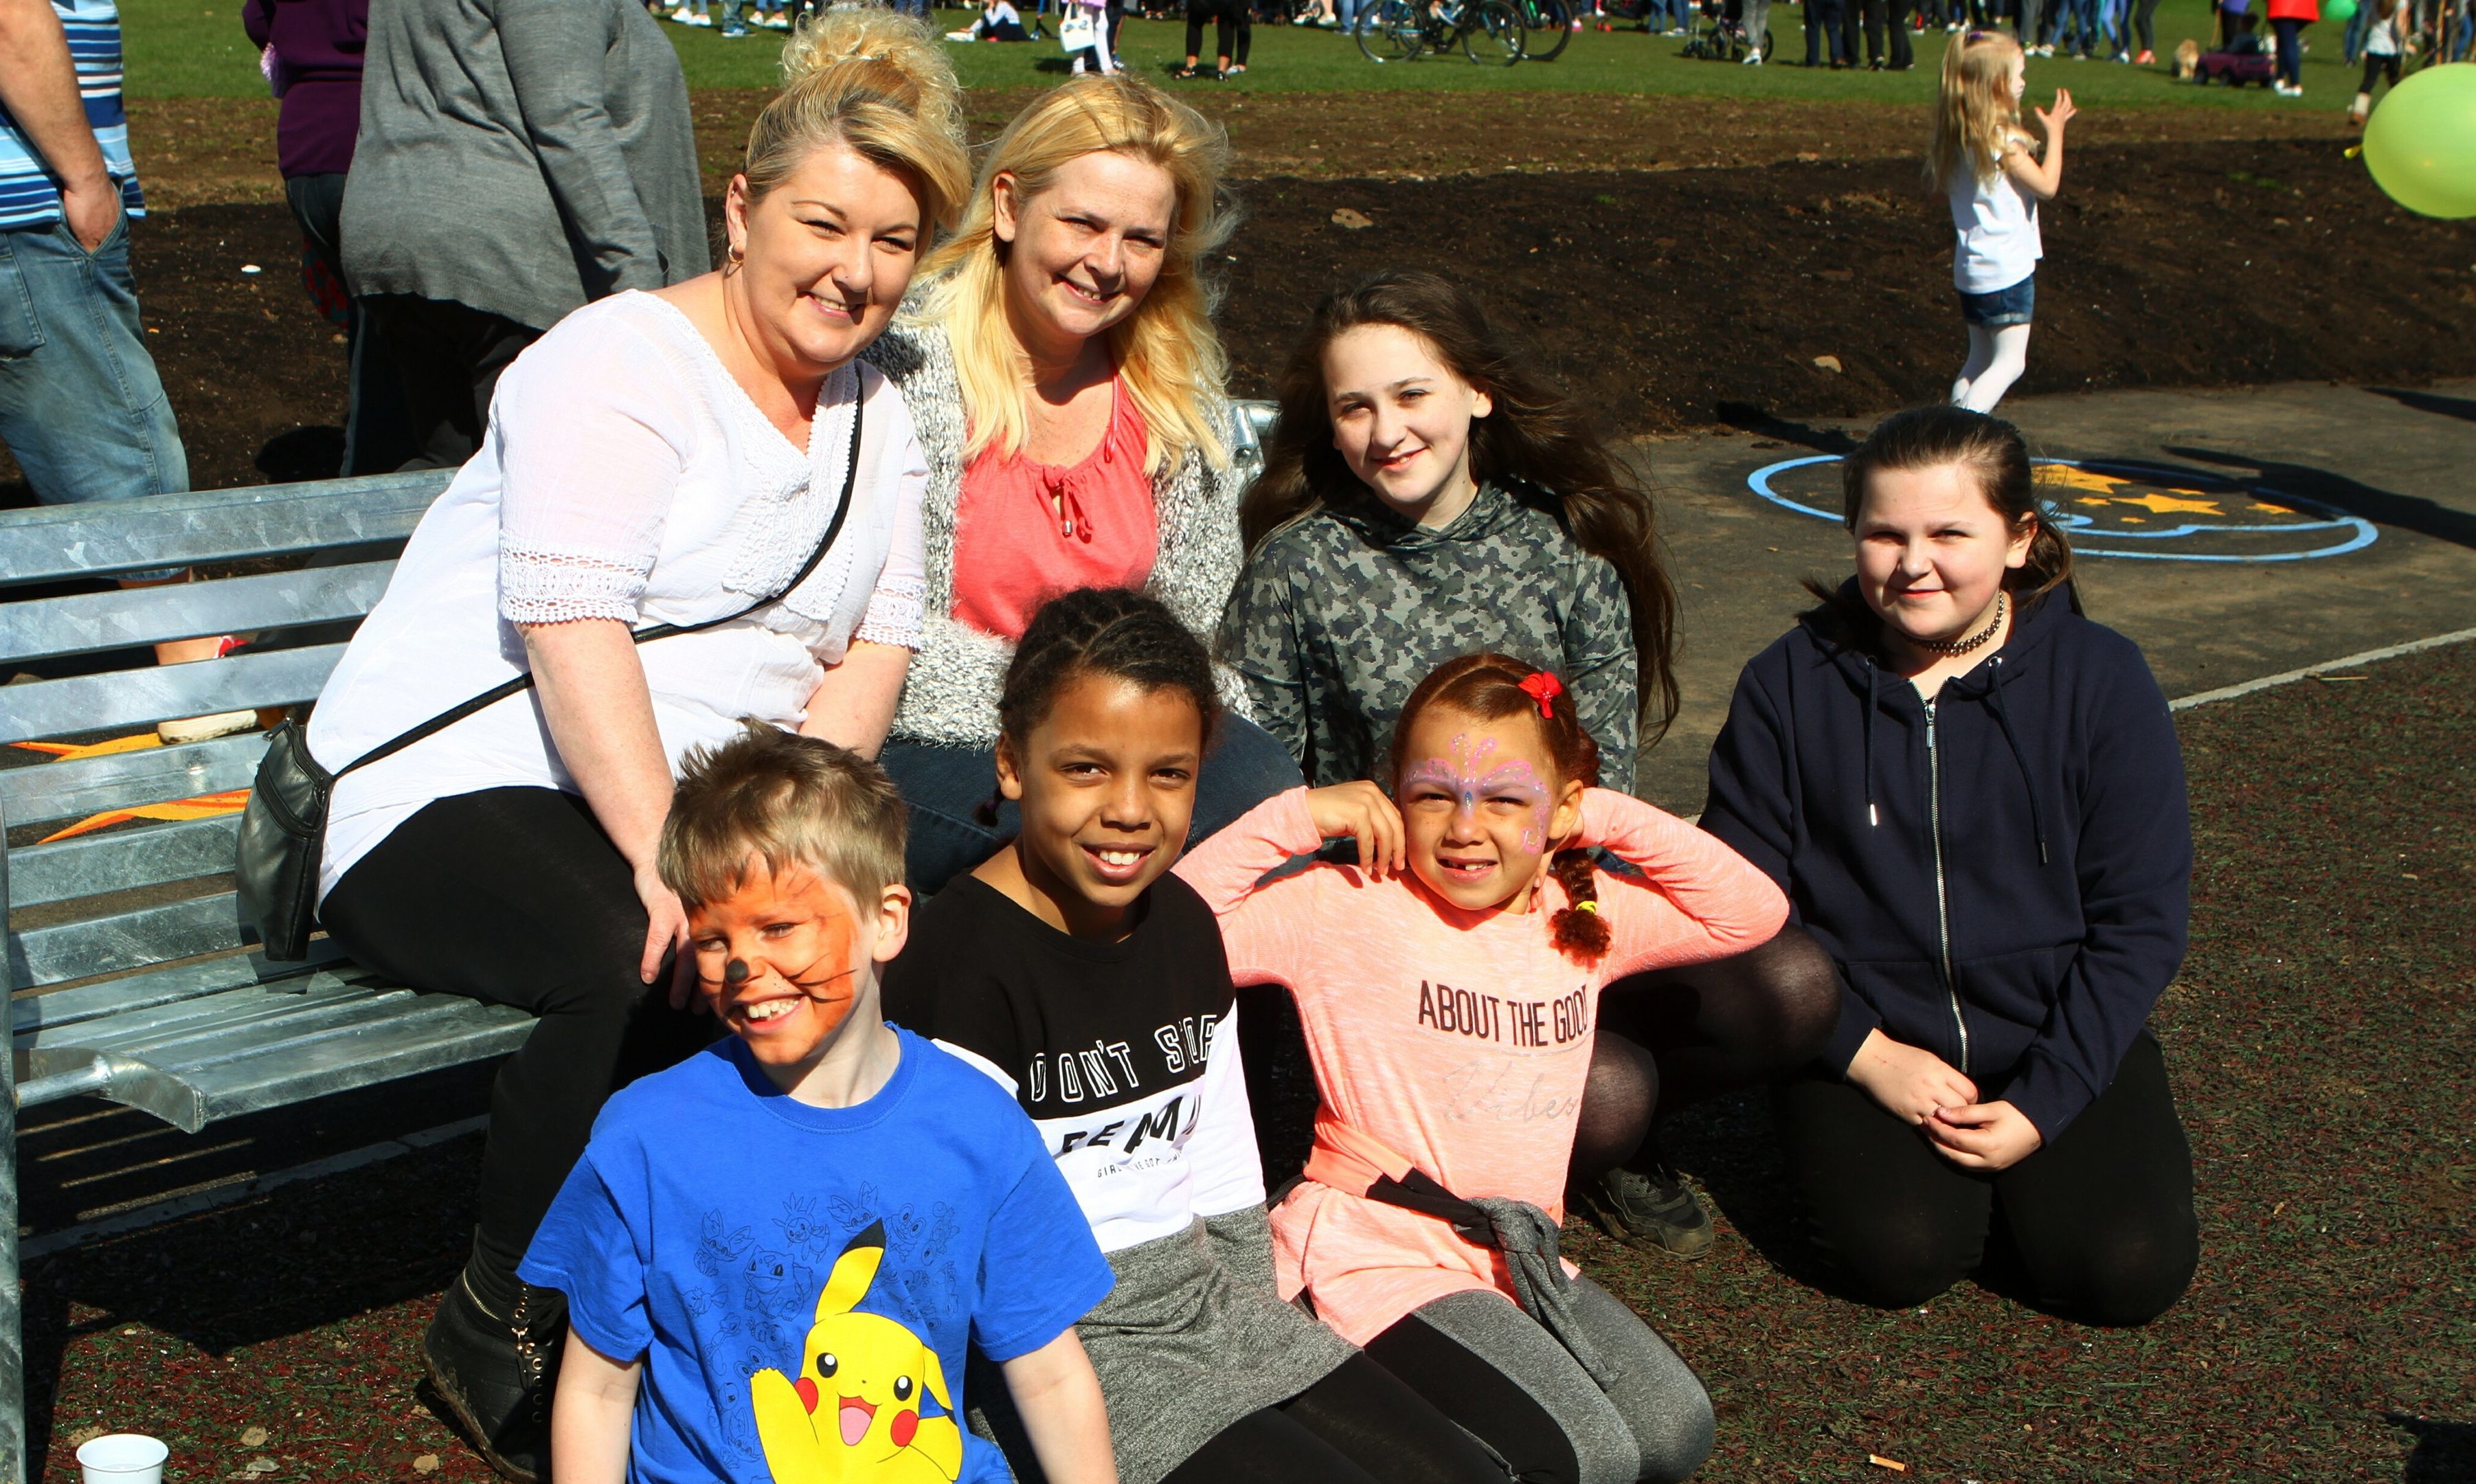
135	939
130	617
52	542
255	1021
138	698
431	1033
280	1048
57	1016
91	865
162	1032
90	785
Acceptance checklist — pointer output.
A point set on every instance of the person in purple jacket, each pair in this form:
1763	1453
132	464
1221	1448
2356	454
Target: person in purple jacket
1974	800
311	50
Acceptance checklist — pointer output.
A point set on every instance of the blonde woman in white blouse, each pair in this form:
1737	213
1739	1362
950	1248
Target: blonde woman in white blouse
664	458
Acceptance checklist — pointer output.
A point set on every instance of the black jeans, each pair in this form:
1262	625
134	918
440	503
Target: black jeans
514	896
1897	11
1227	16
1825	20
377	435
2144	21
449	357
2100	1221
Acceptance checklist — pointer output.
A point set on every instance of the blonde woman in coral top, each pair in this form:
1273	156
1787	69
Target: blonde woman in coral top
1065	382
1448	988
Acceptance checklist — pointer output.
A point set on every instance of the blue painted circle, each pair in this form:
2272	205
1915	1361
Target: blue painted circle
2361	532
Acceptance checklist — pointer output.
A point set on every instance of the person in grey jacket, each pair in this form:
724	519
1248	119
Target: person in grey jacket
517	158
1065	380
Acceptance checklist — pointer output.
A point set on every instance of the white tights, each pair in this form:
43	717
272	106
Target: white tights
1996	357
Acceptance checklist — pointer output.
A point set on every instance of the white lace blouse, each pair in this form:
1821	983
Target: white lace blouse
624	476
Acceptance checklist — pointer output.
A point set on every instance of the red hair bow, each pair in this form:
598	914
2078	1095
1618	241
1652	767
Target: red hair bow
1543	687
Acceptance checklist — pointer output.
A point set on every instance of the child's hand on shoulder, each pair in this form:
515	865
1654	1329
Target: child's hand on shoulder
1363	813
2053	119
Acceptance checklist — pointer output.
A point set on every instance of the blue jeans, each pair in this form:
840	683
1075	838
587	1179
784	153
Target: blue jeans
81	405
946	787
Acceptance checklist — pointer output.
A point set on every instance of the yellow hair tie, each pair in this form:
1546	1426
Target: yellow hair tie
1591	908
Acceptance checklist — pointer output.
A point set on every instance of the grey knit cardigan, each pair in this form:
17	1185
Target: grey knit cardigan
950	696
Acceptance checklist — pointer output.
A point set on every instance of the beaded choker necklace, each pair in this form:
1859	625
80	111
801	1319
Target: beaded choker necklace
1977	640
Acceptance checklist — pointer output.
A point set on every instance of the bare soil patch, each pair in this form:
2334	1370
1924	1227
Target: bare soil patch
1666	297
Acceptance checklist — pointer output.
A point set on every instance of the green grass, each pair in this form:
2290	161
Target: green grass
185	48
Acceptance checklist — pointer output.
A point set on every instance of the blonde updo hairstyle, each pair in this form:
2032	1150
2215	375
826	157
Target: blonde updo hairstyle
877	81
1171	360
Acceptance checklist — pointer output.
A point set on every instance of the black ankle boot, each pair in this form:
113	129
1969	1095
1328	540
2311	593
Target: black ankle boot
495	1374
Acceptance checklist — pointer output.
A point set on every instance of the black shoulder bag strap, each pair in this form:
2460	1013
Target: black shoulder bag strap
501	692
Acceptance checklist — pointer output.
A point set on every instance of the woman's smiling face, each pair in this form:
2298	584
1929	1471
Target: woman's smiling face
825	257
1082	253
1481	805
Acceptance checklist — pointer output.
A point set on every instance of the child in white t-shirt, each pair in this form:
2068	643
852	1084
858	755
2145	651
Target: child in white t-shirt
2389	25
1994	175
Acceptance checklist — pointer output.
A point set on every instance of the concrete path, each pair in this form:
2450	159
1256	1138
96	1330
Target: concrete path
2382	483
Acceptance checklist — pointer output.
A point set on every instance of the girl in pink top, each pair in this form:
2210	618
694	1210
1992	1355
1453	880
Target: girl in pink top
1448	986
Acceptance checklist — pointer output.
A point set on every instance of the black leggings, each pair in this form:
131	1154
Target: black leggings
2144	19
1680	1036
1359	1424
2100	1221
1897	12
1227	15
514	896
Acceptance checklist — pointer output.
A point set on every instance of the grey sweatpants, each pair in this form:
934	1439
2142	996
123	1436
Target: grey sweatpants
1653	1424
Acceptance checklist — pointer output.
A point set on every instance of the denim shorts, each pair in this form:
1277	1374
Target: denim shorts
2003	307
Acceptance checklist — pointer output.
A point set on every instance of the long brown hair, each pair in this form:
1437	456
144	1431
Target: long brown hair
1489	688
1537	442
1989	449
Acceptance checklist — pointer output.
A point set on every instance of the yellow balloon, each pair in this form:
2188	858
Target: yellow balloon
2420	143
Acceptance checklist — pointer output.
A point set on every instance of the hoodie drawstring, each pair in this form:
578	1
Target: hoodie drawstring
1872	676
2028	785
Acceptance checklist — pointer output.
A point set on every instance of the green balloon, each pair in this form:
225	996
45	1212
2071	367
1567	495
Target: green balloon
2420	143
2339	12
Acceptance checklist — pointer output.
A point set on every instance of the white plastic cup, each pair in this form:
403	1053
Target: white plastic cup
122	1458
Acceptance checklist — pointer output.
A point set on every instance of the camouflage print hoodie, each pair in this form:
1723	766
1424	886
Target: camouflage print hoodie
1340	613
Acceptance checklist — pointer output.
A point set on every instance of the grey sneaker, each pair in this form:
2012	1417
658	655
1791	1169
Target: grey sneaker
1652	1212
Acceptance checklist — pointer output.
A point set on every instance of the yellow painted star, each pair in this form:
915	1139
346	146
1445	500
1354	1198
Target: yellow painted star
2168	505
2076	478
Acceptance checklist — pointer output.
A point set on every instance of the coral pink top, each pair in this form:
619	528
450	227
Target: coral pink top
1458	1040
1026	531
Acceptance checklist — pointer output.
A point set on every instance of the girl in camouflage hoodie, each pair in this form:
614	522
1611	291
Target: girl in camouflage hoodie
1425	495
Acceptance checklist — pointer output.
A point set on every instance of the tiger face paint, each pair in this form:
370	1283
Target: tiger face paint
780	961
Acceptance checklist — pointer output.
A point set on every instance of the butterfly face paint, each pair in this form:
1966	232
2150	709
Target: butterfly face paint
778	961
1478	805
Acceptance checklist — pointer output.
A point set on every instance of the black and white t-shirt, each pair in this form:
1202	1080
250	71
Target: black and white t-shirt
1124	1054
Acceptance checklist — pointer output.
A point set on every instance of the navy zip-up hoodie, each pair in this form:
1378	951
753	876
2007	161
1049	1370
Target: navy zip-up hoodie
2029	955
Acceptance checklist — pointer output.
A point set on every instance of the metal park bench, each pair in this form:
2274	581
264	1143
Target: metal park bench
129	968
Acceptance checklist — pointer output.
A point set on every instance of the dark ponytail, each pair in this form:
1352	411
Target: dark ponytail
1488	687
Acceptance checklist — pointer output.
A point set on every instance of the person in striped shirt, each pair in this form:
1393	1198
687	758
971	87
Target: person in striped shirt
81	406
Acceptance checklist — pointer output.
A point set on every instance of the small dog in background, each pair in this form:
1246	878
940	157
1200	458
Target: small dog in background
2187	60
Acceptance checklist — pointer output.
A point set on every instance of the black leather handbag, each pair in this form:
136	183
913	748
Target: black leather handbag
283	829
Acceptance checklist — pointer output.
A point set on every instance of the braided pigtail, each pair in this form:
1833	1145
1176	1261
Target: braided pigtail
1579	931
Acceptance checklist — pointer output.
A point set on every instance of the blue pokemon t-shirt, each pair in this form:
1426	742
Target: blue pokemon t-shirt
803	1283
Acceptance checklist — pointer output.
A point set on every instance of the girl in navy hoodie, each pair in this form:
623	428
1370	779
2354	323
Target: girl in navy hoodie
1974	800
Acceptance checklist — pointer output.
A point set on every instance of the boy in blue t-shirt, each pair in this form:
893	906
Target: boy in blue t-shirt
776	1254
